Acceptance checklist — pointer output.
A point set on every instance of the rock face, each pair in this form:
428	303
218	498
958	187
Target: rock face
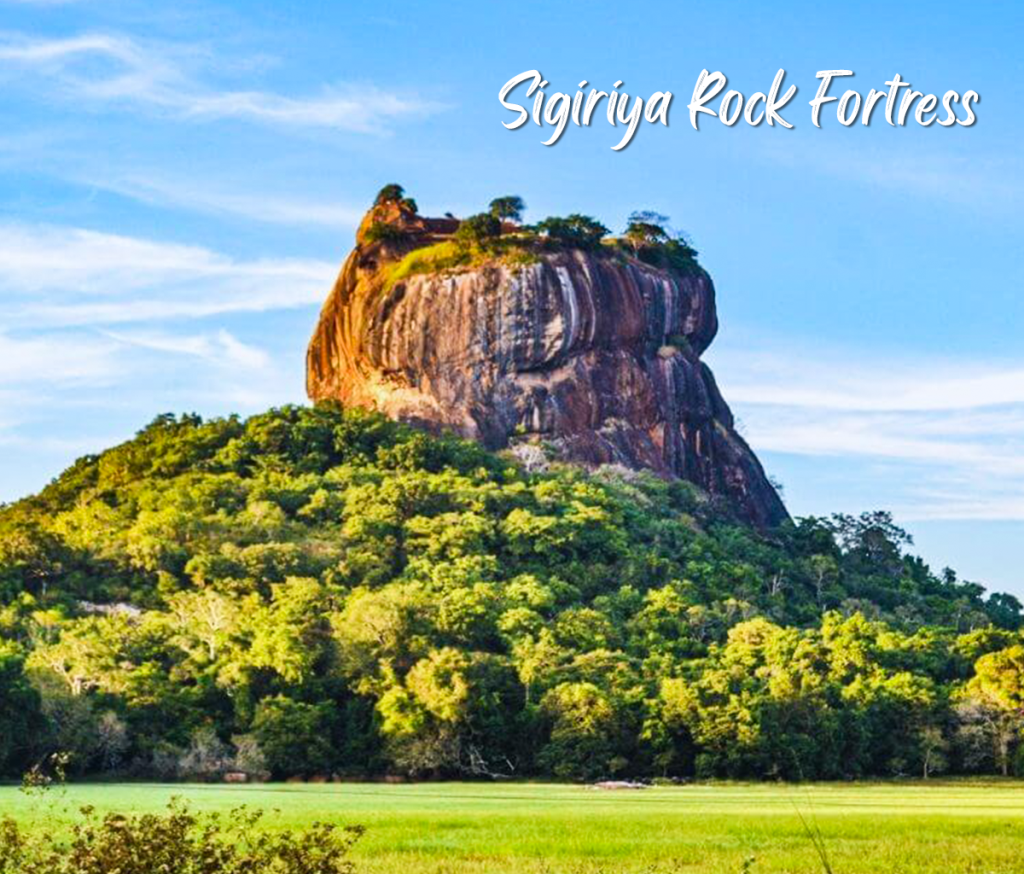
596	354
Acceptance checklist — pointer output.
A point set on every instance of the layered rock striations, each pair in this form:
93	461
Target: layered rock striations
595	353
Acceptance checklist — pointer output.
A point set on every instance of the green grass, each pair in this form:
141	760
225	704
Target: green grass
457	828
512	250
446	255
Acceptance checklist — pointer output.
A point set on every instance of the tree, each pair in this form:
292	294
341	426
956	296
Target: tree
984	735
112	741
1005	608
382	630
824	572
21	721
646	228
577	231
995	699
423	719
295	737
71	724
383	232
452	714
86	656
291	635
416	742
583	727
354	593
439	683
478	229
648	234
999	678
675	710
207	756
249	757
509	207
872	538
205	620
934	747
392	193
395	194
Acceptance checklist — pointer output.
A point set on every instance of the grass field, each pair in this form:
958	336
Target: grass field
939	828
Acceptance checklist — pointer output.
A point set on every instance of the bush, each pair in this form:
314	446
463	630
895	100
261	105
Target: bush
207	757
382	232
674	254
178	841
249	757
163	762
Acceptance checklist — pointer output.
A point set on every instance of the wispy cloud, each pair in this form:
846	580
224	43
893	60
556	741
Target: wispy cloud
905	437
969	180
893	385
107	324
949	433
105	69
259	207
52	276
260	200
221	348
55	360
63	359
106	376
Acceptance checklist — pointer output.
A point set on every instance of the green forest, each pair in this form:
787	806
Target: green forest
316	591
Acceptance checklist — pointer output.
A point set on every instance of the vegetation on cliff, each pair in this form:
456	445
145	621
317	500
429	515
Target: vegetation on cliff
315	590
498	234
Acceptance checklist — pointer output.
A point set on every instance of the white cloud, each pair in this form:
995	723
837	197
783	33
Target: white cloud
61	360
970	180
54	360
66	393
52	275
255	200
99	322
261	207
891	385
949	434
114	69
902	437
221	348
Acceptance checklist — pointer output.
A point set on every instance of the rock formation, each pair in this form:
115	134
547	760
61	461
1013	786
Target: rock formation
595	353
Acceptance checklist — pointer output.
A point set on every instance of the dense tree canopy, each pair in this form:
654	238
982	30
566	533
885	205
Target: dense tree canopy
316	591
509	207
579	231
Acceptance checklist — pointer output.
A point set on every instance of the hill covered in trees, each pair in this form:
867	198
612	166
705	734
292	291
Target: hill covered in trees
315	591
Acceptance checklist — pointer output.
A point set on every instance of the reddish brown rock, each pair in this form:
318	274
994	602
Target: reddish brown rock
597	354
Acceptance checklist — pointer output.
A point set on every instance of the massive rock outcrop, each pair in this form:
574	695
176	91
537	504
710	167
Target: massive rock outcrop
595	353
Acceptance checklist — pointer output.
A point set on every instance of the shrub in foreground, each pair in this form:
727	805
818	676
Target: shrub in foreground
177	842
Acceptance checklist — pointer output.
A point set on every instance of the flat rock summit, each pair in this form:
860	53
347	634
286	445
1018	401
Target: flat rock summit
589	351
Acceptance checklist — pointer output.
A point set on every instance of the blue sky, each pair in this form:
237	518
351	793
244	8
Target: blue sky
179	185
